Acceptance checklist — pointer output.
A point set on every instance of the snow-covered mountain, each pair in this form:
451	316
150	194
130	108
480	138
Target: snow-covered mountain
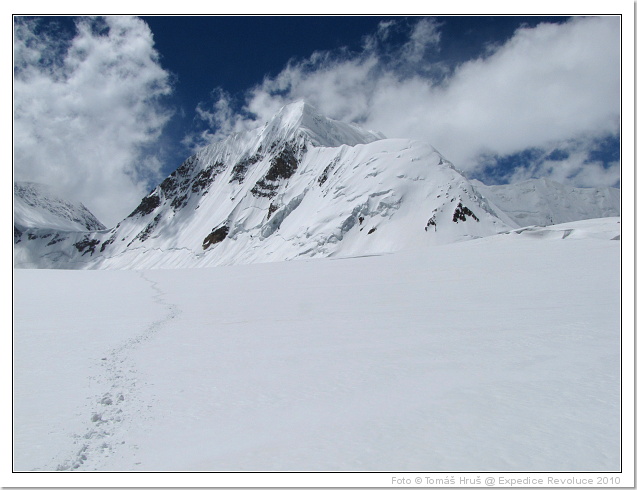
303	185
42	220
545	202
39	206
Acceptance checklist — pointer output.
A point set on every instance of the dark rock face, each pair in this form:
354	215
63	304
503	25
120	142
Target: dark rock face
265	188
326	172
282	166
57	238
17	235
86	245
216	236
431	222
205	177
272	209
176	188
145	233
107	243
147	206
323	177
241	168
461	212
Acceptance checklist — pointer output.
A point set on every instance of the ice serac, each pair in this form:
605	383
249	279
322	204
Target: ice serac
303	185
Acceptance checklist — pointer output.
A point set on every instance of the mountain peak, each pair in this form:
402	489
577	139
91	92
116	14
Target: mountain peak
294	112
302	118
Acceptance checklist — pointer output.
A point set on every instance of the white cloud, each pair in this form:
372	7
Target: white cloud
86	109
425	36
546	84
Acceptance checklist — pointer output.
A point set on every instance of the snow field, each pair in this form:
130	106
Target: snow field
495	354
71	374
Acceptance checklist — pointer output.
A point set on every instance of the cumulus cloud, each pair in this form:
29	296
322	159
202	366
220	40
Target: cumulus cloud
87	109
546	85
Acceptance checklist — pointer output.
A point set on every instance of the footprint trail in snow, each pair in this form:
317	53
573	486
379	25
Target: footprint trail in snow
105	428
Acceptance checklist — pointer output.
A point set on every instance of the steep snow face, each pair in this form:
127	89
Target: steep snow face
296	202
545	202
38	206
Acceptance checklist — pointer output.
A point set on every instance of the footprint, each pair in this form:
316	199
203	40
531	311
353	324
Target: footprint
108	410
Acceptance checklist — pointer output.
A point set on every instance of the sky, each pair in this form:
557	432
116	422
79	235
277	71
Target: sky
105	108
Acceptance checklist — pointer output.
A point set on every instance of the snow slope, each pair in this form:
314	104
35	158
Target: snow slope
38	206
501	353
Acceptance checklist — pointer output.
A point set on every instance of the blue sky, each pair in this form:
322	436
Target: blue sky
106	108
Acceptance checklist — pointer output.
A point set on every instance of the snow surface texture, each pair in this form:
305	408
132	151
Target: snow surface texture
501	353
306	186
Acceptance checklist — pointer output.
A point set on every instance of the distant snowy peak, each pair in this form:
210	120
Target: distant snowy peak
39	206
302	119
545	202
